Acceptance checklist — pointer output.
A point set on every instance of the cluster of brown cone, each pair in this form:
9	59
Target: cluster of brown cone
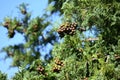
11	31
57	66
41	70
69	29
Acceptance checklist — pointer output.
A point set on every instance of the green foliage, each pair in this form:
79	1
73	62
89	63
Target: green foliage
90	61
3	76
75	57
32	30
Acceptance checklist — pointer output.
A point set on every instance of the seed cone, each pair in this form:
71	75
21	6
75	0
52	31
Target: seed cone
11	33
68	28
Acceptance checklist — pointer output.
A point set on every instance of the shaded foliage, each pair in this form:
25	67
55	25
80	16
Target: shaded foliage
3	76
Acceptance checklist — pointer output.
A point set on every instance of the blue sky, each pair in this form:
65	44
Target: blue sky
9	8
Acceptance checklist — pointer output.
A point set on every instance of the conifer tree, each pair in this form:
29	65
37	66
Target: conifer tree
75	56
